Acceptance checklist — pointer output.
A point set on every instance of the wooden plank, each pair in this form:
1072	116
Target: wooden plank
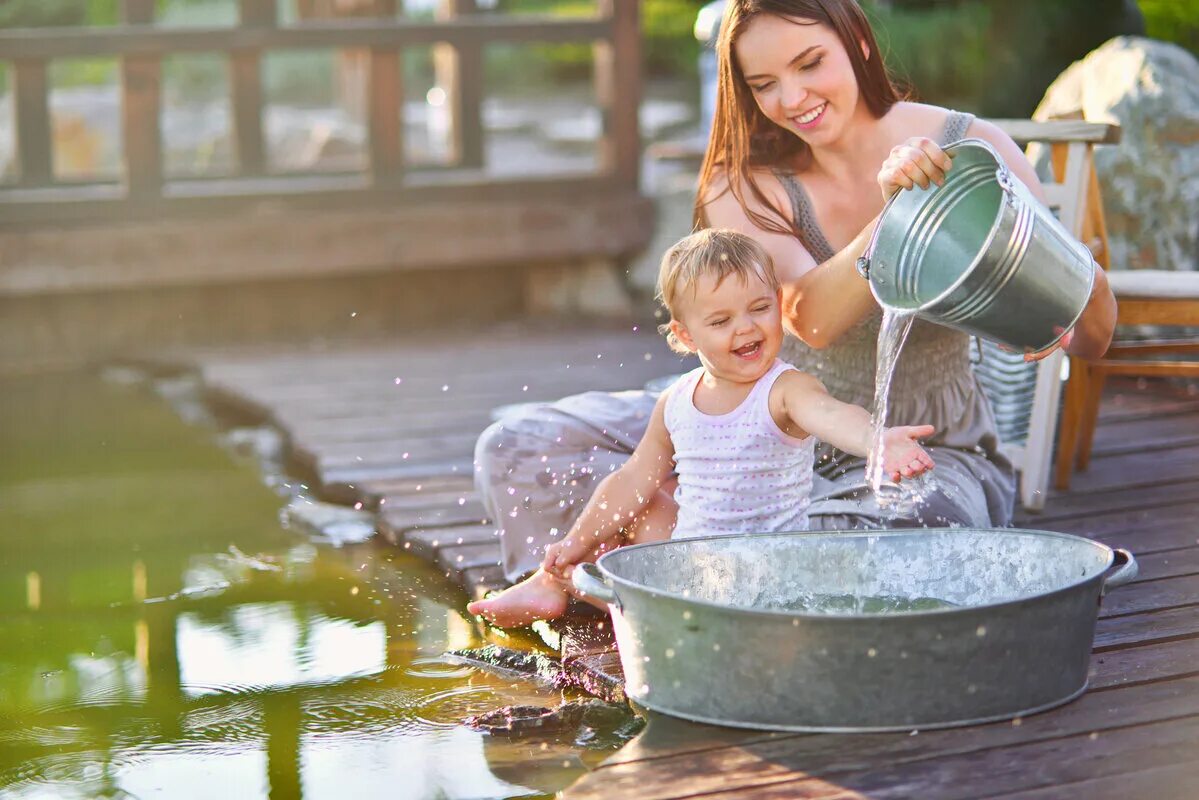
378	491
1152	662
456	561
1026	130
1171	782
141	101
35	148
255	241
478	581
399	523
1114	471
116	40
364	454
427	542
1149	492
1146	628
1152	595
852	759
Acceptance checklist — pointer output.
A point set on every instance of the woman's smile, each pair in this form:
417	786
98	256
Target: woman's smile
811	118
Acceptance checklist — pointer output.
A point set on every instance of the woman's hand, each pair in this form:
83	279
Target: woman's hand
917	162
903	457
1060	344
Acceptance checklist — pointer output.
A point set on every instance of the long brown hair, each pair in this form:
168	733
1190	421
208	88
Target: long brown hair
743	138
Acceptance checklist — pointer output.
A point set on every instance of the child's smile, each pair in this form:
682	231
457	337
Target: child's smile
735	326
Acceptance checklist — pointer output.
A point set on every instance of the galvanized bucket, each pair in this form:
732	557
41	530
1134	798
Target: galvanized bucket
980	254
856	631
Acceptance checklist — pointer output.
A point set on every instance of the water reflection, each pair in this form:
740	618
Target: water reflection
163	636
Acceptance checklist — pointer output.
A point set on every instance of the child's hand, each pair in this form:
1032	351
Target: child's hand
562	555
903	457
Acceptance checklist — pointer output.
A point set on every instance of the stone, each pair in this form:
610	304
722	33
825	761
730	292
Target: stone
1150	180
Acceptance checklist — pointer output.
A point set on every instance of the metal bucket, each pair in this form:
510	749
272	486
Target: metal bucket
980	254
792	631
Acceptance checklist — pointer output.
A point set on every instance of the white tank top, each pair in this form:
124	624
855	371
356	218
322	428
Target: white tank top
738	472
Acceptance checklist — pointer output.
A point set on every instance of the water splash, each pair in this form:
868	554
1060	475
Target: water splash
894	499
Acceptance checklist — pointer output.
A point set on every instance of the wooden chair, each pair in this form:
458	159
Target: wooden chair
1145	297
1071	193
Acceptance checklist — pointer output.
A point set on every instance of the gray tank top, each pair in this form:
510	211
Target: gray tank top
933	383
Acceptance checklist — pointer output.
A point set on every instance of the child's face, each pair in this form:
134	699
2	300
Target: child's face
736	327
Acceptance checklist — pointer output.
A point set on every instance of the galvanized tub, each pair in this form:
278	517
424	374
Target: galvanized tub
980	254
853	631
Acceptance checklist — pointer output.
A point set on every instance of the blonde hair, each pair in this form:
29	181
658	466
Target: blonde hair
715	252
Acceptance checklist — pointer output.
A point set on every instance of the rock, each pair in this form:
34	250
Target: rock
589	722
327	522
1150	180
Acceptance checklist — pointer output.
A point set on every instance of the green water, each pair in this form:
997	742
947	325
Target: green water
162	635
864	604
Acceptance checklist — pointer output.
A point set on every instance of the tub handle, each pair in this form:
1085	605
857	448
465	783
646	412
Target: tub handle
588	580
1123	575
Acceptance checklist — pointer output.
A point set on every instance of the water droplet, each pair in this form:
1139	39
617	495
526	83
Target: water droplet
982	631
670	652
871	652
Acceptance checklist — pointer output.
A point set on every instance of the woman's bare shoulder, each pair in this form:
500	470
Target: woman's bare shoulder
718	197
908	118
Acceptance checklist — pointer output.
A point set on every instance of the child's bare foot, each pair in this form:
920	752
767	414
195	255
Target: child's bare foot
539	596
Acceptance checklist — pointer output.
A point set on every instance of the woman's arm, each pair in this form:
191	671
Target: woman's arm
618	498
818	304
1093	331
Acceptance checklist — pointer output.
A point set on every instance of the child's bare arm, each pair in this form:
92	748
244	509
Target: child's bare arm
618	498
847	427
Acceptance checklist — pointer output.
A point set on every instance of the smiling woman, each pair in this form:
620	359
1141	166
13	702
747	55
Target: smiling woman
810	137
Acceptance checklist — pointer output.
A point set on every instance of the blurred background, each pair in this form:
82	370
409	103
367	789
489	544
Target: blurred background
221	147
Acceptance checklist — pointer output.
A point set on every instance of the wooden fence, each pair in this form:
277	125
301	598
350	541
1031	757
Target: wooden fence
141	45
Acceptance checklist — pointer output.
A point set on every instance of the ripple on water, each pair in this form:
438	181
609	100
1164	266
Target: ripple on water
437	667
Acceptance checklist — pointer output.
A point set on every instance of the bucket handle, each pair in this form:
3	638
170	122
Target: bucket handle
863	262
1126	572
589	581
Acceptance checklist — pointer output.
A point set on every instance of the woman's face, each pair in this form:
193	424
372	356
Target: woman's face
800	76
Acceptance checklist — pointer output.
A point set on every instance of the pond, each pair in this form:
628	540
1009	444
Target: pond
165	635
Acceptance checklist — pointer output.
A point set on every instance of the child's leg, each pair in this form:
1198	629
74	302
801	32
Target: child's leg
543	596
654	524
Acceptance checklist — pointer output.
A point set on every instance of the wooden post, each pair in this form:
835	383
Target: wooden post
618	87
35	145
141	102
459	72
385	94
246	68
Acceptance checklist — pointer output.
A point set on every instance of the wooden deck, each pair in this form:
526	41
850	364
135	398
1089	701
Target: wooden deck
404	449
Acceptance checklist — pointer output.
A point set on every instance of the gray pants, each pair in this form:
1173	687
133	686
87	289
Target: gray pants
537	466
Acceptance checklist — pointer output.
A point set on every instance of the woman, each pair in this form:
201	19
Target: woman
808	130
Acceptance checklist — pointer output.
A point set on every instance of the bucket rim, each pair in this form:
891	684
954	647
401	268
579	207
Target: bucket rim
619	582
986	244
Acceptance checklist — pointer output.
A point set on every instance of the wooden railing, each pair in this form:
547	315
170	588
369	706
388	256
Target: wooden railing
140	46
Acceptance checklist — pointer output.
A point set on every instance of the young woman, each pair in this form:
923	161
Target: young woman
809	140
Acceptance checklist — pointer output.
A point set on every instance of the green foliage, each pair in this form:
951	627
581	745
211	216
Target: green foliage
1173	21
669	47
915	46
39	13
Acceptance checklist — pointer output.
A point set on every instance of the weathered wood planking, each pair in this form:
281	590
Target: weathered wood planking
393	427
1133	732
